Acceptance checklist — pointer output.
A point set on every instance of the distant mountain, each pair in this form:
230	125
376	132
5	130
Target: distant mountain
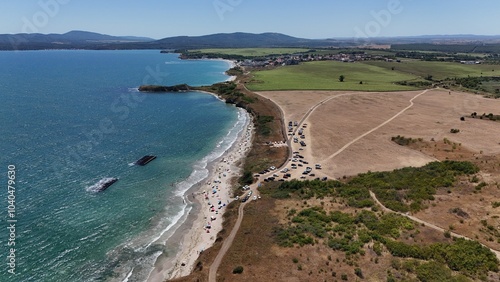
89	40
238	40
70	40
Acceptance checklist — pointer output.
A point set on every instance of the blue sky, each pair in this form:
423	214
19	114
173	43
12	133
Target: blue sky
307	19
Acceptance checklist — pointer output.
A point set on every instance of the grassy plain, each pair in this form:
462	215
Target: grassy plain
324	75
438	70
251	52
258	52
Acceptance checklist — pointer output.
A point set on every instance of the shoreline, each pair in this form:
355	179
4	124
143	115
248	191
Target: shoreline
208	199
231	64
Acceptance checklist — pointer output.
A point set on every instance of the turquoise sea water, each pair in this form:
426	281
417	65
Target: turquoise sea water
71	118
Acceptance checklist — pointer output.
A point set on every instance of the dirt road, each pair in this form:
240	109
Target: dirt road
428	224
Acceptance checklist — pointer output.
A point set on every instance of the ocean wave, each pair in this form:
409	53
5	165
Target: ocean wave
200	171
128	276
89	236
174	220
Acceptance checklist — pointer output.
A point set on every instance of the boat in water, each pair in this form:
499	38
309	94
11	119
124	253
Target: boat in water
102	185
145	160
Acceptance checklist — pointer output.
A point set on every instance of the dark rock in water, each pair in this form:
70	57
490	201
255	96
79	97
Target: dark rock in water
145	160
161	88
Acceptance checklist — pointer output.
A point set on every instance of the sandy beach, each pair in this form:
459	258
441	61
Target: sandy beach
210	199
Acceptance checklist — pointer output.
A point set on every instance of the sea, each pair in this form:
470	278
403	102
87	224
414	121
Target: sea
69	118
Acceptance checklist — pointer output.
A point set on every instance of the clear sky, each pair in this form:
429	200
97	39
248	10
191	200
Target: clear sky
306	19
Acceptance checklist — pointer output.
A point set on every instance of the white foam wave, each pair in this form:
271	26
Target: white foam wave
133	89
200	171
90	236
174	220
66	252
128	276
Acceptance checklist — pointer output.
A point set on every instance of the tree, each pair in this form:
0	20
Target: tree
341	78
238	270
358	272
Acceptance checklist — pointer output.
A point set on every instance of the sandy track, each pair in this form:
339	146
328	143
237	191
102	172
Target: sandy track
351	133
212	274
428	224
432	118
375	128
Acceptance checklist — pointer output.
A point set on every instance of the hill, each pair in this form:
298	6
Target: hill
240	40
90	40
70	40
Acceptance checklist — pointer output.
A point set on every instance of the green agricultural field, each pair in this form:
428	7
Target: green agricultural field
373	52
251	52
324	75
439	70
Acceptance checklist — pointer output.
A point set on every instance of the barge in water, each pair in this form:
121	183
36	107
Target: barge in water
103	184
145	160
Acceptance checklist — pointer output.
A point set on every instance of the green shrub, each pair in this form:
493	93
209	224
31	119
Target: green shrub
403	141
246	178
238	270
358	272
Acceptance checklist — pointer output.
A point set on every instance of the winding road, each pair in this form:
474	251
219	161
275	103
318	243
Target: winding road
428	224
212	277
212	274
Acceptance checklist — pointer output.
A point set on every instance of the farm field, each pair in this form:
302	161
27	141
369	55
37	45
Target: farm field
251	52
324	75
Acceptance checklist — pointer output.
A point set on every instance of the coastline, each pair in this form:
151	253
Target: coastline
208	199
231	64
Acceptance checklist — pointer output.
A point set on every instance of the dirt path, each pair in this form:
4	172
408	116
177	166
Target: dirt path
375	128
428	224
212	277
212	274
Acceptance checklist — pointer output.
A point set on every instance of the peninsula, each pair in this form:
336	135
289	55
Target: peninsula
161	88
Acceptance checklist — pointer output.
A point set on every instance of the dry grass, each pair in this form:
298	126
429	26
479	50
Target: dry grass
332	126
343	118
477	204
